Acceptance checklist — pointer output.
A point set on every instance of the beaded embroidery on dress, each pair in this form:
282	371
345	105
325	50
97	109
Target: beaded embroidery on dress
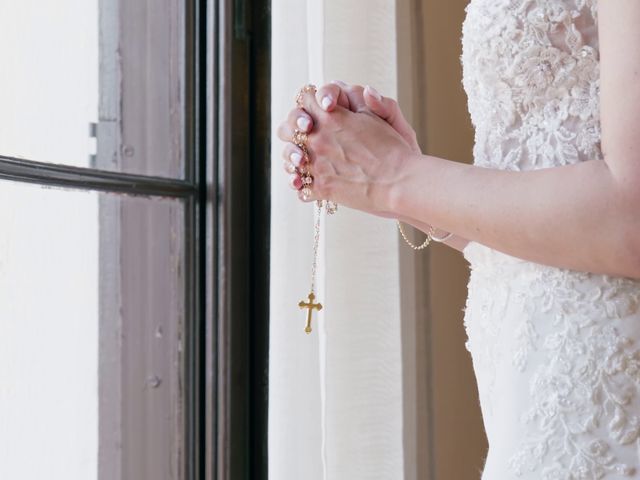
556	352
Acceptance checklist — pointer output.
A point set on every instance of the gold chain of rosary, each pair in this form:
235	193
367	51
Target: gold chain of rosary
300	139
310	305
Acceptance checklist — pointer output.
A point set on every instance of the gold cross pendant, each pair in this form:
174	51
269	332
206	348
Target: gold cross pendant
310	306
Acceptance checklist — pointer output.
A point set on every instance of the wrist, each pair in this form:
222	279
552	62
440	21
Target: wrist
398	190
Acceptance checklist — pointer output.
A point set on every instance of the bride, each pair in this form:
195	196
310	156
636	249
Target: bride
548	217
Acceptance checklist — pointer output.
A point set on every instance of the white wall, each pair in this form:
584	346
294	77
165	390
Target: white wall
48	244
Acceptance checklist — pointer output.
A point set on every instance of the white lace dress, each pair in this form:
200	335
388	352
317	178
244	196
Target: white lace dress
556	352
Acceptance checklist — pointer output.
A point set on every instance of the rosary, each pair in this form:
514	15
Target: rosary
300	140
310	305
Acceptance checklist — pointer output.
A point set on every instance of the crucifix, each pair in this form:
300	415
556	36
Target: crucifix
310	306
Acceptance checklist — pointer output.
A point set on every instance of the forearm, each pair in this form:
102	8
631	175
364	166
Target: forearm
575	216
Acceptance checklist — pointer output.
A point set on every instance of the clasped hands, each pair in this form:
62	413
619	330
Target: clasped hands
358	145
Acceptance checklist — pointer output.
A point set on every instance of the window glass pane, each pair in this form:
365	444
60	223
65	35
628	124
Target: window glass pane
93	83
91	317
49	78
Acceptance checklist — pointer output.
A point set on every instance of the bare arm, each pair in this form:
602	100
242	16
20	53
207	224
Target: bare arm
576	217
584	216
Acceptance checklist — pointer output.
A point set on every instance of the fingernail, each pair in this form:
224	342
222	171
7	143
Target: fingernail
303	123
289	167
327	100
296	158
295	181
339	82
373	92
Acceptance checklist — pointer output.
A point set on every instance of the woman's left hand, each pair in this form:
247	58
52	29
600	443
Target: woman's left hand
357	159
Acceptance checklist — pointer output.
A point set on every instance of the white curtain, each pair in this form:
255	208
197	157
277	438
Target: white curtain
335	405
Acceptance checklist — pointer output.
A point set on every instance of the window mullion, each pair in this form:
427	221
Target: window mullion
89	179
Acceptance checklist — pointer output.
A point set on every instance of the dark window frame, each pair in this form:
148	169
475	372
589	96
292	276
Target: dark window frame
242	126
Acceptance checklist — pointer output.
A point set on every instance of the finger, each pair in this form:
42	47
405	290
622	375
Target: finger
389	110
343	100
300	119
285	132
289	167
295	181
311	105
355	94
328	95
294	155
386	108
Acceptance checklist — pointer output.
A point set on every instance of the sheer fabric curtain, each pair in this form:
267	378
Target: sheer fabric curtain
335	395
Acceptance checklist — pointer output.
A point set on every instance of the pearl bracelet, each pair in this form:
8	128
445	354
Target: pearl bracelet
442	239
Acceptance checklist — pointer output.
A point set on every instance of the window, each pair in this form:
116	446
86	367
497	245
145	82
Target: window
134	227
103	275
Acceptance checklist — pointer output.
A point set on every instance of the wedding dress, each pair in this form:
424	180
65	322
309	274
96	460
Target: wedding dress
556	352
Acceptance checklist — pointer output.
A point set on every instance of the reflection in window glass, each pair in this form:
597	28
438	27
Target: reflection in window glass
91	319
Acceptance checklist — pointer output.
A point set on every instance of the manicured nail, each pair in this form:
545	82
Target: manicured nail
295	181
340	83
296	158
373	92
327	100
289	168
303	123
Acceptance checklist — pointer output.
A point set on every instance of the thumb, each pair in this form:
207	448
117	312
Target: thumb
389	111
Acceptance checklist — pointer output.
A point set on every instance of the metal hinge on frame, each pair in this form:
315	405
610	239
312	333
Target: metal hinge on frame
93	133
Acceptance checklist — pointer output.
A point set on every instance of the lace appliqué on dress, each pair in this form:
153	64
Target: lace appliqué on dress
531	73
585	395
